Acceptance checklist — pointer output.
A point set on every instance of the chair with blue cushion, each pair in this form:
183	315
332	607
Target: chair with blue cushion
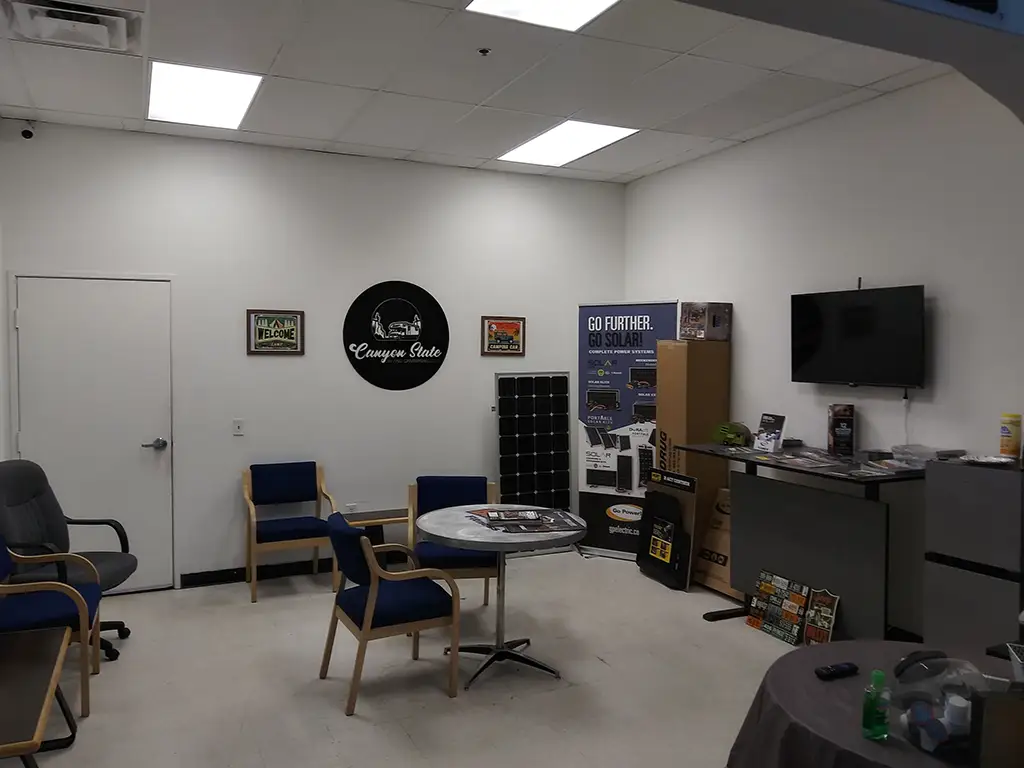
441	491
45	604
295	482
383	604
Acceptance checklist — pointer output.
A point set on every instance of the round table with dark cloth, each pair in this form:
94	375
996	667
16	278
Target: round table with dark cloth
798	721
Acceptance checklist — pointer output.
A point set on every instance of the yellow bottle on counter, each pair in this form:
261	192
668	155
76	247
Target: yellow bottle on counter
1009	435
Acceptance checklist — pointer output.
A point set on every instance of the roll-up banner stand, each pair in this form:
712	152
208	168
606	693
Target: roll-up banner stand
618	389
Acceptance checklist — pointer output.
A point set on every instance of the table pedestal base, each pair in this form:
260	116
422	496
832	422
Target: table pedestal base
505	652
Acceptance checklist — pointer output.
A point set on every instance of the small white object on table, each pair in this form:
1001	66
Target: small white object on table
459	527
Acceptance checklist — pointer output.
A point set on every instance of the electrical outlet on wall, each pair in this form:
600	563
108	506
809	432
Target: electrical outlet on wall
238	427
352	507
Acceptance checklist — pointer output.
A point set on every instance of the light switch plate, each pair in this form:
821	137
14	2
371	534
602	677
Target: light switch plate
238	427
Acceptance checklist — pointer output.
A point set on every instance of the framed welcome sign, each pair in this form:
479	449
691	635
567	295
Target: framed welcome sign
275	332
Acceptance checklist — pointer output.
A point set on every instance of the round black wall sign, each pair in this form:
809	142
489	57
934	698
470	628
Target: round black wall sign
396	335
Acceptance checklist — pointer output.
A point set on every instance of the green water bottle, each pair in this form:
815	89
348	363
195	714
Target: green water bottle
875	716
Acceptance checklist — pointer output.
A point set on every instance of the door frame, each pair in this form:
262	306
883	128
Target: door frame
13	403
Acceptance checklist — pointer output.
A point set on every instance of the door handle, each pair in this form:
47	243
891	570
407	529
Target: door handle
157	445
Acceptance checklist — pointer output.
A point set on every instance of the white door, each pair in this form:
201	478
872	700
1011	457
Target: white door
94	386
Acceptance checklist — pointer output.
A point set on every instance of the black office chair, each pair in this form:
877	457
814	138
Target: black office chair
33	523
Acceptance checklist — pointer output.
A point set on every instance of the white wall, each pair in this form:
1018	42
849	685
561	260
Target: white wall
922	186
240	226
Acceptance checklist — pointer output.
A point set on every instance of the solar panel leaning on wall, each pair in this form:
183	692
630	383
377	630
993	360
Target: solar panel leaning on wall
533	440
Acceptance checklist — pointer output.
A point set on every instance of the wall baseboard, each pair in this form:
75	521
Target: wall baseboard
280	570
269	571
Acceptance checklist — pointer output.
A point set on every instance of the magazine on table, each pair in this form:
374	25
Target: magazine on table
532	521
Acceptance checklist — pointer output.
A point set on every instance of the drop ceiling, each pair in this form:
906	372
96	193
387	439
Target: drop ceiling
403	79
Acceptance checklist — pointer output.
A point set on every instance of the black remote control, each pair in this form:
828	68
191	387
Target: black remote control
837	671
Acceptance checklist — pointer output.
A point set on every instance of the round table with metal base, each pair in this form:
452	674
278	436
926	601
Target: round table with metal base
458	527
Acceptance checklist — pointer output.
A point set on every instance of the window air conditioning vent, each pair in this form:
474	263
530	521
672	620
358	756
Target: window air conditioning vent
74	24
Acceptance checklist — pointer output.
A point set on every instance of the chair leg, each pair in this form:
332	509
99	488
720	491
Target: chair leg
85	663
252	578
316	560
487	591
248	559
96	645
332	628
357	674
335	574
415	645
453	671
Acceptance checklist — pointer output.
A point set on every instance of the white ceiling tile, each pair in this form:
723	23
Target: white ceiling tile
297	108
581	71
75	80
502	165
854	64
764	45
488	133
271	140
89	121
708	149
775	97
191	131
438	158
448	66
227	134
664	24
240	35
802	116
356	42
576	173
365	150
637	151
12	87
683	85
453	4
927	71
393	120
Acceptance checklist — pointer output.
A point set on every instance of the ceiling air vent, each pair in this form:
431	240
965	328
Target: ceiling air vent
75	24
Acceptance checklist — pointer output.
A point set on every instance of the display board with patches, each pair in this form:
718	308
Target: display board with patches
396	335
533	439
778	607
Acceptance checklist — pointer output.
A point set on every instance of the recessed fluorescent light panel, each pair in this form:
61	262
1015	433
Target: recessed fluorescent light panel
560	14
567	142
198	96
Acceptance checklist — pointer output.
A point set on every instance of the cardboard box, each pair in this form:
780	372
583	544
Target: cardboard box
705	322
712	568
693	399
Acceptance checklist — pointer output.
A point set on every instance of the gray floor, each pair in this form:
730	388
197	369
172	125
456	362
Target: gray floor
209	680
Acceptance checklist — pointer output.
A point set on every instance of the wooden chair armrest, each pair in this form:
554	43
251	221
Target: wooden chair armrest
62	557
423	573
329	497
399	548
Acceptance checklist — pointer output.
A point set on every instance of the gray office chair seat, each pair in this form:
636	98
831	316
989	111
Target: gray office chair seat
115	568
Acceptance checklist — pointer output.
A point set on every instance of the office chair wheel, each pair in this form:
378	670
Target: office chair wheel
112	654
124	633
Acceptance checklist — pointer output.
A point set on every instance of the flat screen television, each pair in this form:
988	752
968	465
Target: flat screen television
873	337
